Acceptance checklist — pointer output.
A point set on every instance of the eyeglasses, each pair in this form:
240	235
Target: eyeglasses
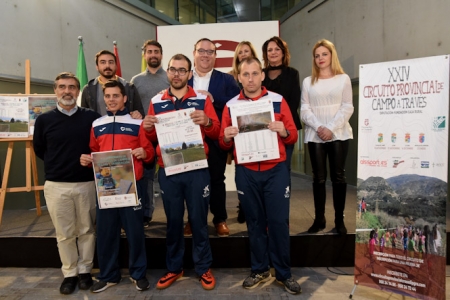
207	52
173	71
62	87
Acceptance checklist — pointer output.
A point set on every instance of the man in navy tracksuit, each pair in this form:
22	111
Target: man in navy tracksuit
191	186
264	186
116	131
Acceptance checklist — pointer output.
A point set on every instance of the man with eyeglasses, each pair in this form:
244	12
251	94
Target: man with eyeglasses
148	84
191	186
220	87
60	137
92	95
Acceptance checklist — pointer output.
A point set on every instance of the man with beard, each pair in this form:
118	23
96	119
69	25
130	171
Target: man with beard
220	87
192	186
60	137
149	83
92	95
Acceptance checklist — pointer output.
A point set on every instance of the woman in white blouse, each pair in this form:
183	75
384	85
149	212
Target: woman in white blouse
326	108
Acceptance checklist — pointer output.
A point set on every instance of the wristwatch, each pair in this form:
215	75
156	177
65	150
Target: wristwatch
288	134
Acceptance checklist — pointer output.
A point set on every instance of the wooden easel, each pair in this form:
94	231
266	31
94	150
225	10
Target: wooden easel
30	162
30	168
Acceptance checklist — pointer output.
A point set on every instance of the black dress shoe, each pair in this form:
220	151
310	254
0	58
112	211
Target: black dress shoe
68	285
317	226
340	228
85	281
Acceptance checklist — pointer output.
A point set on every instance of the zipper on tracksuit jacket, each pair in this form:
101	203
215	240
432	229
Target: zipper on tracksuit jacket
113	133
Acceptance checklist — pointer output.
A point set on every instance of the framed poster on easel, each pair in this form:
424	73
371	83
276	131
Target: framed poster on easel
15	120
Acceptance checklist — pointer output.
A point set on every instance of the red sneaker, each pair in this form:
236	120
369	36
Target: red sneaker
168	279
207	280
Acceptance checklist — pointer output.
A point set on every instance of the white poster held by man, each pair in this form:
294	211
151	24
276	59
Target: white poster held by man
255	142
114	178
181	142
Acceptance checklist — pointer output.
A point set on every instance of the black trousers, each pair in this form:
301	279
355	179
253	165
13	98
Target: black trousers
336	152
217	161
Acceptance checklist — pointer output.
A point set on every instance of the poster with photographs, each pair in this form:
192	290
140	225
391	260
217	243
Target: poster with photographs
37	105
180	142
13	116
254	142
114	179
402	176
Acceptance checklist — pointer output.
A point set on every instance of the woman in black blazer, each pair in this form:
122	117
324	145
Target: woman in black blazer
283	80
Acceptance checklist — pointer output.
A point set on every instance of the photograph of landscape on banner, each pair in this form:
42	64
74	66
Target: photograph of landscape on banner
402	177
13	116
180	142
37	105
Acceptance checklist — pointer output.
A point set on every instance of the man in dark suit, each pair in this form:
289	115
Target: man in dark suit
220	87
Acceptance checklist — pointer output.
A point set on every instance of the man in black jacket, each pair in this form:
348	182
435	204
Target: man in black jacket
92	96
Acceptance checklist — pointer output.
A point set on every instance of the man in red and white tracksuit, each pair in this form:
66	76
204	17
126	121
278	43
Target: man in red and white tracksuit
263	187
192	186
118	131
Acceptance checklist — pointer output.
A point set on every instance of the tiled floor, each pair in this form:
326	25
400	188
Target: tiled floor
317	283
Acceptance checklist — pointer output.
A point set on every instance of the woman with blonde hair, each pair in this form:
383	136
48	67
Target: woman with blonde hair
326	108
243	50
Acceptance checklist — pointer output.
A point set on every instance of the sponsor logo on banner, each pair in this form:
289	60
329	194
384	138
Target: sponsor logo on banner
439	123
438	165
407	138
393	137
424	164
397	162
229	47
421	138
380	138
374	163
366	126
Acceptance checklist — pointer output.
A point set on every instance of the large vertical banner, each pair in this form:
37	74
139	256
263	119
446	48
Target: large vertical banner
402	176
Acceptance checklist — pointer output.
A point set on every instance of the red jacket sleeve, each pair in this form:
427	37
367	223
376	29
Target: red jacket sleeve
212	131
288	121
151	135
145	143
226	122
93	144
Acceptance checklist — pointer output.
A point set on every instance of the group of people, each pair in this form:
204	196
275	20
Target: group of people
115	115
413	241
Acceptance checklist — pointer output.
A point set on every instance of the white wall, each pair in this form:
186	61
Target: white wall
369	31
46	32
